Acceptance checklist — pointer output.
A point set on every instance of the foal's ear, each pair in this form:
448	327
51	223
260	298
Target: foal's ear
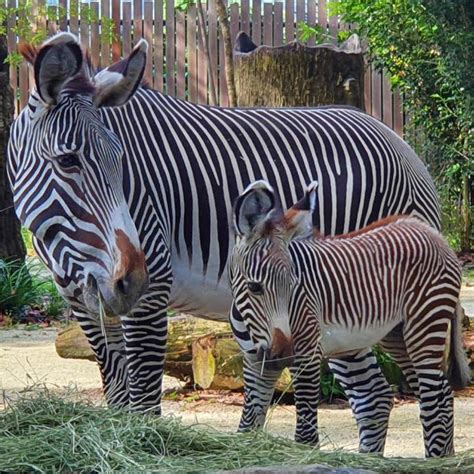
116	84
253	208
298	220
58	60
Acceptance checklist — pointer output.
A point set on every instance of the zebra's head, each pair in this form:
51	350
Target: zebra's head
65	170
262	274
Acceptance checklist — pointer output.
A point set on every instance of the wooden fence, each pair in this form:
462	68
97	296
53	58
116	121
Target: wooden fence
177	64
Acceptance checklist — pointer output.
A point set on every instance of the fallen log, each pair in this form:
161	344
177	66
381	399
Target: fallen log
199	352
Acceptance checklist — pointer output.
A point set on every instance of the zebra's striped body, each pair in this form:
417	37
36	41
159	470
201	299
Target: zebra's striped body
303	296
182	167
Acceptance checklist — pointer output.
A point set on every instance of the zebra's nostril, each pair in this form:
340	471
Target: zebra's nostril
123	285
92	282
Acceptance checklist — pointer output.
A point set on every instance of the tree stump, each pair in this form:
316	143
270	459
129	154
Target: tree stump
295	75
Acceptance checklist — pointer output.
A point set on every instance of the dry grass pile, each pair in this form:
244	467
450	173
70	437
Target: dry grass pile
48	433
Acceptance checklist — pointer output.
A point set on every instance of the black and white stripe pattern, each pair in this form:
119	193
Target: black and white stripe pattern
396	282
182	167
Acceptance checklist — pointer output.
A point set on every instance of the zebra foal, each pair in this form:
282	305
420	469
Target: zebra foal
302	296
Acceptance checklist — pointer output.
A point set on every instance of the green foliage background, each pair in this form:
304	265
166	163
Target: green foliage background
427	47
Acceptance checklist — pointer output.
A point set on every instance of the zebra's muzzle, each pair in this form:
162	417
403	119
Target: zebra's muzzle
280	354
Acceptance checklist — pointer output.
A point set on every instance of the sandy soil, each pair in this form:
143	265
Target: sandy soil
28	358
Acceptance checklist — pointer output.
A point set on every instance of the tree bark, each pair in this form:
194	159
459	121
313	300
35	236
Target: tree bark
11	242
229	62
467	231
295	75
205	44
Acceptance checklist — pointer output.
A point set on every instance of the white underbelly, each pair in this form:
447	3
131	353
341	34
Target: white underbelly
336	339
200	296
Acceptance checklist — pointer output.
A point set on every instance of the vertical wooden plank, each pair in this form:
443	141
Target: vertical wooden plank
202	63
192	53
158	46
289	21
52	19
245	16
74	17
322	14
333	27
377	94
116	45
387	101
234	22
148	35
137	21
268	24
311	19
95	34
84	25
223	94
300	15
180	55
213	51
62	14
105	44
257	22
127	28
398	113
368	87
278	24
170	48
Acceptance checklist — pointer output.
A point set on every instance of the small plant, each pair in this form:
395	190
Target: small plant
26	295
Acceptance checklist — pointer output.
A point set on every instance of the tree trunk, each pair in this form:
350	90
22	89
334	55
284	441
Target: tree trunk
205	45
229	62
295	75
11	242
467	231
198	352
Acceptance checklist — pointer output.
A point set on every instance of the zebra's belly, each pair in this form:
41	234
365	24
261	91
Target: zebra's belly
194	294
337	340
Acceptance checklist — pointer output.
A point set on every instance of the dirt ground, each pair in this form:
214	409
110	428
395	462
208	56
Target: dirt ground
28	359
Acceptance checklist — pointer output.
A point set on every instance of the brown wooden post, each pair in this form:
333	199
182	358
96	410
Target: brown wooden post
158	52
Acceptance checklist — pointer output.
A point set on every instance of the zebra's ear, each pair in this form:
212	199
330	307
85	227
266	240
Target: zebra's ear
117	84
253	208
298	220
59	59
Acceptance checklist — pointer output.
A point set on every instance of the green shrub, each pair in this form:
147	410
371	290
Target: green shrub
24	286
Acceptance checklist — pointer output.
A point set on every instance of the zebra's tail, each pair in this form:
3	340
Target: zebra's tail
459	373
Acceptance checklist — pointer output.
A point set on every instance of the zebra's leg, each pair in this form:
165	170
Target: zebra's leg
259	386
306	382
107	342
146	330
435	394
394	344
370	397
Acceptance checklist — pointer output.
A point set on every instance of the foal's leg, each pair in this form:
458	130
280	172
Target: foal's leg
394	344
259	384
258	393
306	382
425	343
370	397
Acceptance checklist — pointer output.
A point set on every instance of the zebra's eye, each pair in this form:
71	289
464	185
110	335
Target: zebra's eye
255	288
68	161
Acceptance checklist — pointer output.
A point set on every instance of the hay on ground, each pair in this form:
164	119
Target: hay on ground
44	432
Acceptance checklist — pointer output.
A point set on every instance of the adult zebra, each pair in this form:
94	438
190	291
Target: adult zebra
100	166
